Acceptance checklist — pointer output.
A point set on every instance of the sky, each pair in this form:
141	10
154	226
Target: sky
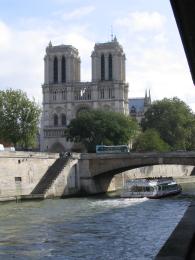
146	29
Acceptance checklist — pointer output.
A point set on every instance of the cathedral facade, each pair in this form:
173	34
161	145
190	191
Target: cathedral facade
64	95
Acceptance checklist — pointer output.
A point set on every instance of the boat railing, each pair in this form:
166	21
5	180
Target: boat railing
148	193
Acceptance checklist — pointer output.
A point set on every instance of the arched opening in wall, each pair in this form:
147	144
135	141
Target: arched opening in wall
110	67
57	148
55	70
102	67
82	110
63	120
55	120
63	68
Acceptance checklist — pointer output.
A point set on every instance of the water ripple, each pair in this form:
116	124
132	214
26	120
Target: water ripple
87	229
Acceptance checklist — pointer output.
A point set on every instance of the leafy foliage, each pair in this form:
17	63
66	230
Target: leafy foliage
174	121
150	141
101	127
18	118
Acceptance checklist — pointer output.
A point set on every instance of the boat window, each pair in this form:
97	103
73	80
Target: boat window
142	188
137	188
164	187
148	188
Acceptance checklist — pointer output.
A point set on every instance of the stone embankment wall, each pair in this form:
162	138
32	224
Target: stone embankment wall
20	172
67	183
161	170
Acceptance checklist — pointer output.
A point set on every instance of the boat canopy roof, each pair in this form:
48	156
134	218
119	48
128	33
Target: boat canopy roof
151	181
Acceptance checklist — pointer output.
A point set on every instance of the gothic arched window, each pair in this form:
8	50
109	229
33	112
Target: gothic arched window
63	120
110	67
55	119
63	67
102	67
55	70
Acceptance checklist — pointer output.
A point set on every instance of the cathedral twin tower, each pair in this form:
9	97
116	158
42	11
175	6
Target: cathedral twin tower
64	95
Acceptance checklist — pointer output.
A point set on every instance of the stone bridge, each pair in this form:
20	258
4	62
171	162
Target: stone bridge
97	170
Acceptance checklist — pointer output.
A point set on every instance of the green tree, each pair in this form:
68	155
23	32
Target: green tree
101	127
174	121
18	118
150	141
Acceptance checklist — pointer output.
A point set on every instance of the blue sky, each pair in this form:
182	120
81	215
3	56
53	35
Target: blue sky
147	31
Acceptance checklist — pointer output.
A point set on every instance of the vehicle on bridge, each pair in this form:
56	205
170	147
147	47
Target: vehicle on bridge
153	188
112	149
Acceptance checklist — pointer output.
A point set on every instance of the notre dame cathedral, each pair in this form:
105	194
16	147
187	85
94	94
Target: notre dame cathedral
64	95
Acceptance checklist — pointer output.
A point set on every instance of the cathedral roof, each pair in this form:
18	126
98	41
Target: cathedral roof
137	103
114	44
61	48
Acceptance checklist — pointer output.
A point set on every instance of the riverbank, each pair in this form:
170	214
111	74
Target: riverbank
181	244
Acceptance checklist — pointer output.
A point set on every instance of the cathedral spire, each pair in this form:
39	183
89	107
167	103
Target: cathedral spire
146	98
50	44
111	33
149	97
146	94
115	39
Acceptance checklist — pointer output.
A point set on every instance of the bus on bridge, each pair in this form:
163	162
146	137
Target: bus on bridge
112	149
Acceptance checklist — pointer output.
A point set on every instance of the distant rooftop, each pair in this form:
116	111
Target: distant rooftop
60	48
138	103
111	44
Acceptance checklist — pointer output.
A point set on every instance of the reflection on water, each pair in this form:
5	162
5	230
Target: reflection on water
87	228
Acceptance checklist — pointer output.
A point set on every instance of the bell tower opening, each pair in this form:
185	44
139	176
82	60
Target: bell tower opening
102	67
110	67
55	70
63	69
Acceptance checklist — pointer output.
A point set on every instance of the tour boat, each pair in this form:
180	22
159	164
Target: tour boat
153	188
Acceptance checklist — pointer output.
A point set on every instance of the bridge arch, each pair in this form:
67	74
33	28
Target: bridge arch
101	169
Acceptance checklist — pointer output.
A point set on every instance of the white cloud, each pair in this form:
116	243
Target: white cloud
5	36
142	21
152	61
78	13
160	38
22	66
163	72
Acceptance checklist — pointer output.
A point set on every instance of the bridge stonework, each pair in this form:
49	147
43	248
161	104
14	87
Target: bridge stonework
22	172
97	171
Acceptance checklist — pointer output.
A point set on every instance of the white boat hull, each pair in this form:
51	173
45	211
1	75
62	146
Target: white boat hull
153	189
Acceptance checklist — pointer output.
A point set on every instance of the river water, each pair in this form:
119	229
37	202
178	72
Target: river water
87	228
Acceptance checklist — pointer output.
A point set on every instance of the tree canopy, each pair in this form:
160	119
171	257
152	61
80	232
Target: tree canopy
174	121
150	141
95	127
18	118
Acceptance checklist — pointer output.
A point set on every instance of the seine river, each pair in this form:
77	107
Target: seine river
87	228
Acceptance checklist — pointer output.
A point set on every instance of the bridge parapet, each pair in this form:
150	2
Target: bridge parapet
137	155
115	163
